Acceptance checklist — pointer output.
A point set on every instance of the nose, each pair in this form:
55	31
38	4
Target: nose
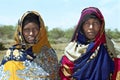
31	32
91	26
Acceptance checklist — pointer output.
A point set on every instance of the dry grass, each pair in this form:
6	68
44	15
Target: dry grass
59	48
2	53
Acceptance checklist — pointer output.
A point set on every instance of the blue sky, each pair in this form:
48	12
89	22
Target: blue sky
59	13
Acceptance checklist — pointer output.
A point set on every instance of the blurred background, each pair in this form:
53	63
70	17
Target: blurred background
60	18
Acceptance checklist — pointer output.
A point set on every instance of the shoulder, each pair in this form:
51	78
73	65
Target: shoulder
46	55
48	60
48	51
111	46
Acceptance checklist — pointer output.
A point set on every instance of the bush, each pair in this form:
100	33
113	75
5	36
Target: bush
55	33
2	46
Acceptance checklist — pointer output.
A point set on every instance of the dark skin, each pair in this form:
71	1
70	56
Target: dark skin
30	31
90	28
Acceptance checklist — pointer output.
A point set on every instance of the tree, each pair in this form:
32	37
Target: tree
7	31
69	33
115	34
56	33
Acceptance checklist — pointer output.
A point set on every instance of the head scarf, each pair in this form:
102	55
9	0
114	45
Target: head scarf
41	39
88	13
23	52
94	62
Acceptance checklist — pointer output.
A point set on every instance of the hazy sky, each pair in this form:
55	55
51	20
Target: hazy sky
59	13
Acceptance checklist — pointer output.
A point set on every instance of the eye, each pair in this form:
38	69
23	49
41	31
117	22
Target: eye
26	30
86	24
96	24
36	29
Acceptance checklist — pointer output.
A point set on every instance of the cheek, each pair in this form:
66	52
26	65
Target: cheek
36	33
24	34
96	30
85	30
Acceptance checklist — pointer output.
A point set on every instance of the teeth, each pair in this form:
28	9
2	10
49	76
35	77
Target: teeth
31	38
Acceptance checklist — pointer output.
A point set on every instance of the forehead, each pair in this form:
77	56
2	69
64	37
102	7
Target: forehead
31	25
93	19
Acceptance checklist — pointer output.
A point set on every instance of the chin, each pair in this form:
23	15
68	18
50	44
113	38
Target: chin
91	38
31	42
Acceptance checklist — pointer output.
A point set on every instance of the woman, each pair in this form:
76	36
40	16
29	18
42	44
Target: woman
32	57
89	55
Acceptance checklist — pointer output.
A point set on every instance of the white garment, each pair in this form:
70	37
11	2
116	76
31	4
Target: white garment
73	51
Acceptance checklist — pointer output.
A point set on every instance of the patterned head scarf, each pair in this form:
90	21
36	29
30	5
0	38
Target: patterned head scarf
87	13
41	39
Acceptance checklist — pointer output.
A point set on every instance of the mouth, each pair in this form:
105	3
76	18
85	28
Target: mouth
90	33
30	39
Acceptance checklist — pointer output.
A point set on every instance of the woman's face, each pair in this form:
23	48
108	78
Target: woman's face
30	31
91	27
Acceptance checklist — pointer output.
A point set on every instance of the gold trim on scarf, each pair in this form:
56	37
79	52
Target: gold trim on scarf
118	75
66	70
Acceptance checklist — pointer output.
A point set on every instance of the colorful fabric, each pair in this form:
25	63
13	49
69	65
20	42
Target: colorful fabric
13	67
24	61
116	75
93	61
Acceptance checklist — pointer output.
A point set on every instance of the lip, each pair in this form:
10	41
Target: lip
31	39
91	33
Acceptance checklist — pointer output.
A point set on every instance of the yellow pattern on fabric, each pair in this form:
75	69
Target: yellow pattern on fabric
118	75
66	71
12	67
41	40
